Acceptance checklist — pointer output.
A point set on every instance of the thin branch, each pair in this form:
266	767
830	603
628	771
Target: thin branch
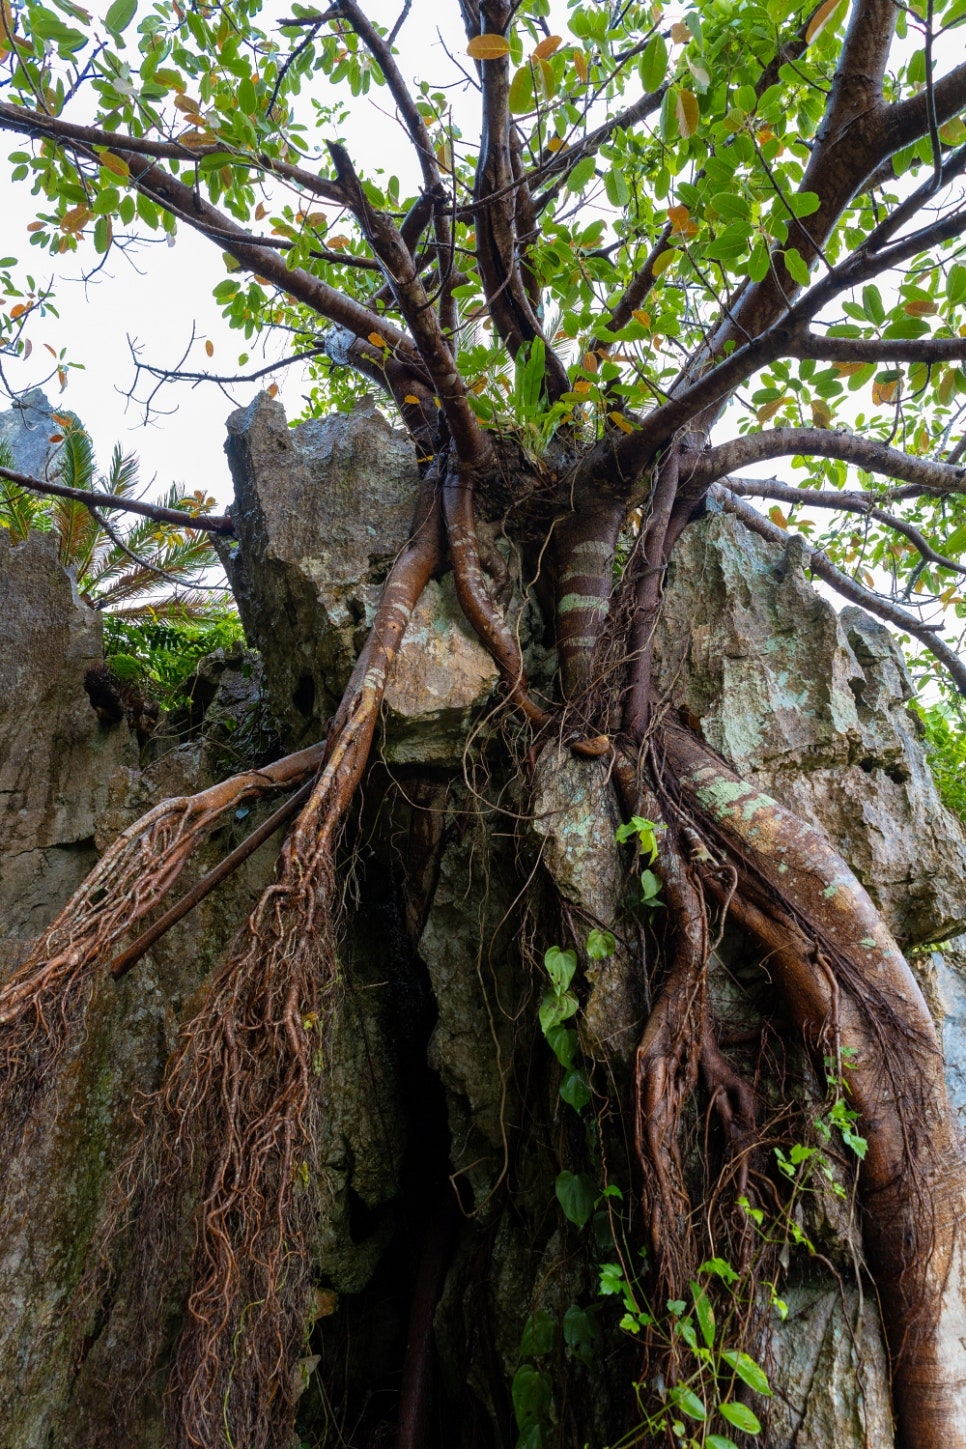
199	523
865	505
167	576
823	568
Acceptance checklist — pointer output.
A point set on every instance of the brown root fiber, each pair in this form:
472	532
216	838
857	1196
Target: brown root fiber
45	999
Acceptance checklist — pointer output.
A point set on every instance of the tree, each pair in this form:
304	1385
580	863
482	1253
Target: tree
663	238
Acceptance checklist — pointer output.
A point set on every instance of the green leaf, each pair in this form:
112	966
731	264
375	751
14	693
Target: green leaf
539	1333
575	1090
582	173
704	1313
688	1403
730	203
747	1370
741	1417
120	15
562	1041
956	284
653	63
615	184
600	945
556	1008
560	967
797	268
720	1441
721	1268
581	1332
531	1392
576	1194
520	98
650	886
804	203
872	304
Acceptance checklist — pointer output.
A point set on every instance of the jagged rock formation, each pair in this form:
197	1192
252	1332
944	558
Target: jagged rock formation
433	1047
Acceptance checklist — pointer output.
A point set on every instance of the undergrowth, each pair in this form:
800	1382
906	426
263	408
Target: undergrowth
161	654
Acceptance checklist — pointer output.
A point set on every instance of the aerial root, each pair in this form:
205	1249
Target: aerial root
46	997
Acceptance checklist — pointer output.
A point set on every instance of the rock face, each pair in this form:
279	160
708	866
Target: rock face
812	704
55	758
25	432
320	512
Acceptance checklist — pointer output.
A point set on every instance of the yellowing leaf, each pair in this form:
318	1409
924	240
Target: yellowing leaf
261	210
849	369
337	243
193	139
76	218
272	389
581	385
556	143
56	438
678	216
377	339
19	310
114	164
777	517
884	392
488	47
953	133
662	262
821	413
920	309
643	317
412	399
444	156
820	19
547	47
210	348
768	410
581	67
619	421
35	226
687	112
589	362
680	33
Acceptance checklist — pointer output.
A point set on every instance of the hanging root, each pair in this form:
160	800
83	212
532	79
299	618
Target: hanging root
46	998
234	1136
838	968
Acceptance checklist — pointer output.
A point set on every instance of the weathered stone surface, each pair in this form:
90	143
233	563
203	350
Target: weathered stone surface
573	820
55	758
812	705
26	430
321	511
827	1365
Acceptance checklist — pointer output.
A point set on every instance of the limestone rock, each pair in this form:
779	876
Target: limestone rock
812	705
55	758
26	430
321	511
828	1373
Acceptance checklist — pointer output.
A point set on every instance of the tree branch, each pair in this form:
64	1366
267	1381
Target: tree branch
864	504
808	344
472	445
198	522
823	568
864	453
